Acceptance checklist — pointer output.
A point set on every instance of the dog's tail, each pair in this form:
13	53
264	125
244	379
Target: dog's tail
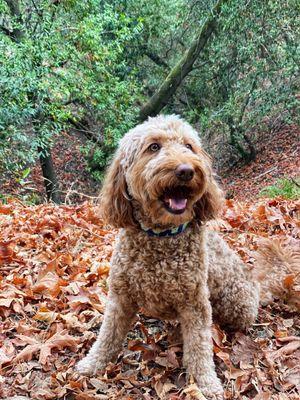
278	271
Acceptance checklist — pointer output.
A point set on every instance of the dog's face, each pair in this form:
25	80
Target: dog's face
164	171
167	177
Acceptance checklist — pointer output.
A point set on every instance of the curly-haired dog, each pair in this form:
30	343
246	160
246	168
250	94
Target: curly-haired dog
160	189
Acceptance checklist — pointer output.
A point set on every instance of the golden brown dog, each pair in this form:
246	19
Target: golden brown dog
160	190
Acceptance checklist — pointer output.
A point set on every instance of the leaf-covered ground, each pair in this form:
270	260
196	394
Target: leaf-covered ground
53	286
277	157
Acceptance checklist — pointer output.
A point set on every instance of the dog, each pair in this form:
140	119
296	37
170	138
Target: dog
160	190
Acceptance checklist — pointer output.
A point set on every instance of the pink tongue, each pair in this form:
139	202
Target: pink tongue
177	204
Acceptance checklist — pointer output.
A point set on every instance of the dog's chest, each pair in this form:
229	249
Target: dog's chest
160	275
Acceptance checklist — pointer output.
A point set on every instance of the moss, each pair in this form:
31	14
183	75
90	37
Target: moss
287	188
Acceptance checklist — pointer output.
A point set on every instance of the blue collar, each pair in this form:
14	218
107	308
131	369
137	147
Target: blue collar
167	233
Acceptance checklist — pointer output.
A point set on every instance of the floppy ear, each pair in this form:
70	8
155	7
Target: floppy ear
211	203
115	204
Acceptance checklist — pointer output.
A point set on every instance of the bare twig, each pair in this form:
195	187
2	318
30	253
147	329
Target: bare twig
266	172
296	183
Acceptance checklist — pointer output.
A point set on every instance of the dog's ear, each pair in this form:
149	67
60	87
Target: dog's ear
115	205
211	203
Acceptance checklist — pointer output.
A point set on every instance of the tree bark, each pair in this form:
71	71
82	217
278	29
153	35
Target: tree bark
49	176
156	59
185	65
252	149
237	132
16	34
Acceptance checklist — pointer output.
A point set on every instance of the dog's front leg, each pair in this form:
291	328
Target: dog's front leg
118	316
198	349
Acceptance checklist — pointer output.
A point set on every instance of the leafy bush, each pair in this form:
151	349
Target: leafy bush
251	73
287	188
58	61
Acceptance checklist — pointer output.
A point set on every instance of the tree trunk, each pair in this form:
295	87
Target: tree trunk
17	34
48	171
252	149
49	176
235	135
237	132
183	67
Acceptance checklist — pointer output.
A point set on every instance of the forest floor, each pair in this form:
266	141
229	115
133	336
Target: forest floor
54	267
53	286
278	156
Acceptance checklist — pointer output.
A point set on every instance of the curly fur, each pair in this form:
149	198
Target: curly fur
278	270
189	277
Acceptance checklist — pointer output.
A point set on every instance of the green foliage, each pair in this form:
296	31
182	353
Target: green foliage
62	62
98	158
247	76
286	188
251	70
29	198
70	58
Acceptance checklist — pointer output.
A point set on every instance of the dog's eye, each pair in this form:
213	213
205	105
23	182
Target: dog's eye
189	146
154	147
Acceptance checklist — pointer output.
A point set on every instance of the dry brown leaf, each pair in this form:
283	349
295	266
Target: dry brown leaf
162	389
45	315
286	350
50	283
34	345
194	392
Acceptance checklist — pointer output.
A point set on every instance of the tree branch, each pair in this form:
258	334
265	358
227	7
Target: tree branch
81	127
247	99
156	59
158	101
6	31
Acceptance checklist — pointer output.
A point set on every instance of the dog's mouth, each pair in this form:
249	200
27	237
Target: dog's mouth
175	199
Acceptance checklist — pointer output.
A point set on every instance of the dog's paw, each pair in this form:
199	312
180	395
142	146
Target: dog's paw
86	366
89	366
211	389
212	394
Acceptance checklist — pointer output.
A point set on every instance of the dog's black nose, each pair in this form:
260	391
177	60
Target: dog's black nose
184	172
